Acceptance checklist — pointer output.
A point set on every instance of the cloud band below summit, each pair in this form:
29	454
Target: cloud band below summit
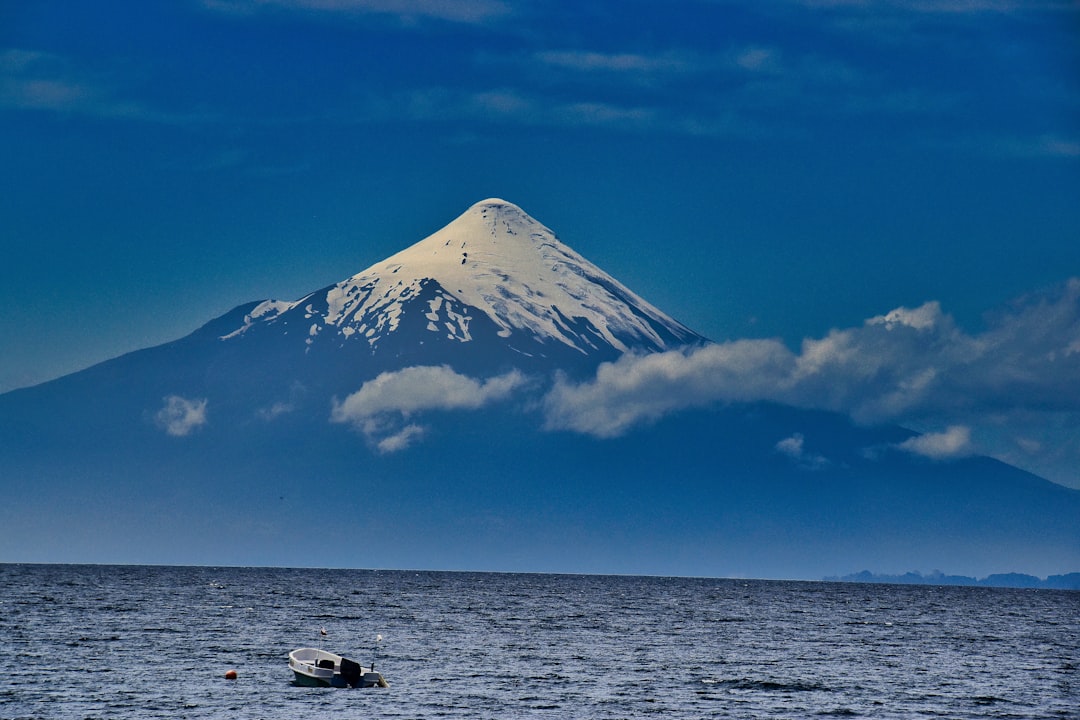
914	367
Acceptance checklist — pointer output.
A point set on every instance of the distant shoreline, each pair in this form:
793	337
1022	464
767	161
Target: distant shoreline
1069	581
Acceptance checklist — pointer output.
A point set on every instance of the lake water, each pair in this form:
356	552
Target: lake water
155	642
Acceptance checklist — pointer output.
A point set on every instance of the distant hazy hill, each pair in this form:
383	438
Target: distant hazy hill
1070	581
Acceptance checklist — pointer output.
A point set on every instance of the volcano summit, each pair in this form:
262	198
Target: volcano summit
493	287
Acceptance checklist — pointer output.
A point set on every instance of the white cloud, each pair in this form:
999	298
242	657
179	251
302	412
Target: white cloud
179	416
380	407
644	388
423	388
924	317
954	442
792	446
400	440
912	366
795	448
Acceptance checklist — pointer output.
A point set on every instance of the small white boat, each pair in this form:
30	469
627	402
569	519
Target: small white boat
319	668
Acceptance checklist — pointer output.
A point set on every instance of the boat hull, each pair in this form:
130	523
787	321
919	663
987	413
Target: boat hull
305	680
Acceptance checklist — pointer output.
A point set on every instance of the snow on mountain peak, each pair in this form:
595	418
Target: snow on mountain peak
496	260
495	201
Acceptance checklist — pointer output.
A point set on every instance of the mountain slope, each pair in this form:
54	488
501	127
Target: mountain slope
494	290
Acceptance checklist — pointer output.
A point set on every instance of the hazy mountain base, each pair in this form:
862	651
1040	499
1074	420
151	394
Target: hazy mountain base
703	493
1069	581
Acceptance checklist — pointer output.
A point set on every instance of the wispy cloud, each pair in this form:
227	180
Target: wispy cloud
941	7
762	88
41	81
1040	146
525	107
742	90
180	416
32	80
757	59
406	11
381	407
274	411
512	106
624	62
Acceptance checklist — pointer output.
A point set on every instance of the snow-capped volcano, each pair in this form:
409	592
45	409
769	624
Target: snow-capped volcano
493	274
227	439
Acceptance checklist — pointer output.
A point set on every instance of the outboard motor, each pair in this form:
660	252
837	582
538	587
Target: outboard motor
351	672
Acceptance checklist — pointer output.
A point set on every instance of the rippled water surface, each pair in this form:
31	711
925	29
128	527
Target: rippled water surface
152	642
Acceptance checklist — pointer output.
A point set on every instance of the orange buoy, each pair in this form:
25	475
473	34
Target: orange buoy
230	674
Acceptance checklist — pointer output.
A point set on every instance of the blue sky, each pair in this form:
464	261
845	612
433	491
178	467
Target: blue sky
778	175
